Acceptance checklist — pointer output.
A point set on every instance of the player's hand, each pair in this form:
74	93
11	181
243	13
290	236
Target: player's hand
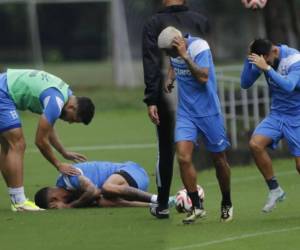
153	114
73	156
259	61
169	85
180	45
68	169
58	205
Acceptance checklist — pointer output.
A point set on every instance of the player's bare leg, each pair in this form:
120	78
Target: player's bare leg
258	145
297	160
117	186
117	202
223	176
188	174
11	158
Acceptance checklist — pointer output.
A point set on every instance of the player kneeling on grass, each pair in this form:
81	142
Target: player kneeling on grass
104	184
49	96
198	114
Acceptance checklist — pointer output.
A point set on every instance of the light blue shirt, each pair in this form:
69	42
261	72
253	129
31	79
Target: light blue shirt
96	171
196	99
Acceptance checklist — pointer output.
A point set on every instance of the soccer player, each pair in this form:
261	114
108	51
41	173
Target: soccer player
198	115
280	65
105	184
49	96
160	108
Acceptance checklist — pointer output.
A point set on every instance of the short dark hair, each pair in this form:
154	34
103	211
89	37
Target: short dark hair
41	198
261	46
86	109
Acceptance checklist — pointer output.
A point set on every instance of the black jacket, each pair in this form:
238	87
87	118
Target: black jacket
182	18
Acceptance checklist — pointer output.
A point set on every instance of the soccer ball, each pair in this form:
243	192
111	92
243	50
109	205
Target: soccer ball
183	201
254	4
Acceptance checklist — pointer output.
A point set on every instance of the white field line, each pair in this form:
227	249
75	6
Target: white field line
235	238
104	147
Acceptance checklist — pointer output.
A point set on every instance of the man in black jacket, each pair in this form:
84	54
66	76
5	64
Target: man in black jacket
176	14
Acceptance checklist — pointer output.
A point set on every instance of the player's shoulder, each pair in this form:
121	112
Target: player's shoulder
290	58
197	45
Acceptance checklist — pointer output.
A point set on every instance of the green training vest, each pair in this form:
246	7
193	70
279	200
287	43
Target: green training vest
25	87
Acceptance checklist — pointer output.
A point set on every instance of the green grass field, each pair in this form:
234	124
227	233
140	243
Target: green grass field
127	135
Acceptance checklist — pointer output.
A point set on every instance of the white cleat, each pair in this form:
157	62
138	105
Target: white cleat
194	215
274	196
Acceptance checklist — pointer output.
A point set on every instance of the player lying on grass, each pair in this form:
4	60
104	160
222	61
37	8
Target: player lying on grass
104	184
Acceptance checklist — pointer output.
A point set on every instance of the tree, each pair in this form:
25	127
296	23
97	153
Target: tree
281	17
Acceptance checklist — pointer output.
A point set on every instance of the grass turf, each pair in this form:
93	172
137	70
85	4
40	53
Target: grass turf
134	228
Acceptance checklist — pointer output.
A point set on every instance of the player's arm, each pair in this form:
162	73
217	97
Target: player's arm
200	73
89	193
151	64
249	74
152	71
288	83
42	141
169	83
52	101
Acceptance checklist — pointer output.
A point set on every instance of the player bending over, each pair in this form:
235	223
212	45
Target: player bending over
104	184
45	94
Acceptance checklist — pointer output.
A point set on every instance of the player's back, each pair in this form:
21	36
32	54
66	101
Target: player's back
284	102
96	171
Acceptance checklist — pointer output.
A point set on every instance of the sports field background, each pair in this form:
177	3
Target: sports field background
120	134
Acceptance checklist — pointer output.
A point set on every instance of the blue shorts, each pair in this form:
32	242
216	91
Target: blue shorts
210	128
277	127
138	174
9	117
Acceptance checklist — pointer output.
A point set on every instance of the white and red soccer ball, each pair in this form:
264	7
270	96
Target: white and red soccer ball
183	201
254	4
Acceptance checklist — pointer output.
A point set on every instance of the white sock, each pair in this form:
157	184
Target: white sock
17	195
154	198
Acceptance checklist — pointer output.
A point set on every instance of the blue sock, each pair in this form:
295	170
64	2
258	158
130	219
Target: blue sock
272	183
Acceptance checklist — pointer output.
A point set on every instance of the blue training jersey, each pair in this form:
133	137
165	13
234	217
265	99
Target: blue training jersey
196	99
96	171
284	83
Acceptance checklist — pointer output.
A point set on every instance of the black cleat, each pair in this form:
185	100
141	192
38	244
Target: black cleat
160	213
226	213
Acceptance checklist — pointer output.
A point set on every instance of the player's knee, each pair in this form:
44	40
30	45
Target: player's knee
108	189
18	144
220	162
255	146
184	159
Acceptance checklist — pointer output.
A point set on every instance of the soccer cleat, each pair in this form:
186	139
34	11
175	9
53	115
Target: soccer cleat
25	206
159	213
226	213
192	216
274	196
172	201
